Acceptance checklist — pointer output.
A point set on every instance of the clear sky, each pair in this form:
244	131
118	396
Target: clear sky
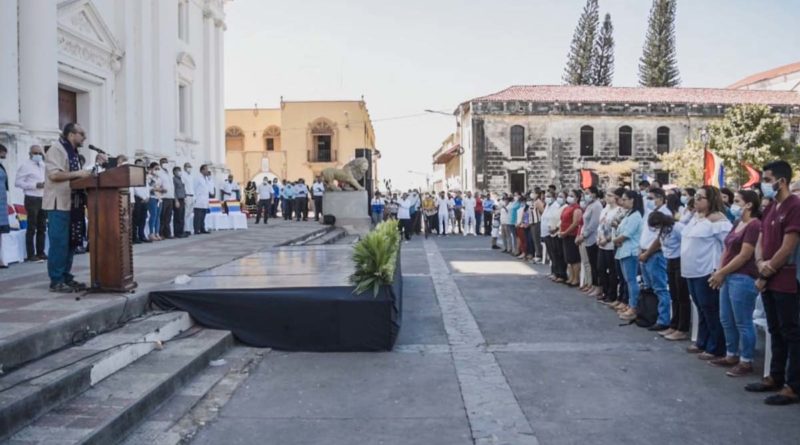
408	56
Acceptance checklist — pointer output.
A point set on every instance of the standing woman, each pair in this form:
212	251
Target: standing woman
606	264
591	223
557	251
4	225
670	237
736	281
701	252
571	219
627	241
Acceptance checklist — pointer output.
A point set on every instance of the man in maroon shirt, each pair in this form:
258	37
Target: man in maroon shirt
778	284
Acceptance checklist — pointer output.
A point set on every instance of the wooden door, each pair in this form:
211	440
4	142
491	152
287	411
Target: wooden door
67	107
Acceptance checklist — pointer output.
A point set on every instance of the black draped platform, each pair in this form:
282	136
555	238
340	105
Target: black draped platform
291	298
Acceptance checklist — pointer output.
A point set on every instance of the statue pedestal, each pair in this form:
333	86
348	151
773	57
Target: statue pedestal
350	209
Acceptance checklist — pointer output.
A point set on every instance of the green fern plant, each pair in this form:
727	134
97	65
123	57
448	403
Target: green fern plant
375	258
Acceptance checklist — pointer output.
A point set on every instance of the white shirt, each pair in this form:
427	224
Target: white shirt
300	190
648	234
504	217
202	187
605	229
318	189
404	209
701	245
442	204
265	191
166	184
188	183
29	174
226	190
469	205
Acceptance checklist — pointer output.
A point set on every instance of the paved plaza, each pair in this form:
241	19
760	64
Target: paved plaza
491	352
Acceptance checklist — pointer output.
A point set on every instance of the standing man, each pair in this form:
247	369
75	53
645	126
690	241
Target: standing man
778	284
488	211
180	202
188	201
318	190
458	206
288	200
30	178
264	200
276	197
478	213
4	226
167	199
61	166
469	214
203	191
226	192
141	200
443	204
301	199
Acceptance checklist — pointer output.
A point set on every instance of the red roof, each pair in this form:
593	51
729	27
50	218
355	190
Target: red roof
639	95
766	75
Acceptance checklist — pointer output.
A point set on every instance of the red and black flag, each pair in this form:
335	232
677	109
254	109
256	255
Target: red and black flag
588	178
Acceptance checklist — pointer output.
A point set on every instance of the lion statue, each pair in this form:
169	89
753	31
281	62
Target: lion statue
347	177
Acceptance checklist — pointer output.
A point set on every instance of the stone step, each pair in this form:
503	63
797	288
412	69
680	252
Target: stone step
108	411
304	240
40	386
199	402
349	239
328	238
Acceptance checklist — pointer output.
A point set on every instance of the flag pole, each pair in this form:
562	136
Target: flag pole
704	140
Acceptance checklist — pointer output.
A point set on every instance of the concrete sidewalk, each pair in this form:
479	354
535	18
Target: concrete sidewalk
34	321
492	352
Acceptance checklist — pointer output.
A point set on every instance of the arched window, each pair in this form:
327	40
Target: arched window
625	141
662	140
322	134
517	141
587	141
234	139
272	138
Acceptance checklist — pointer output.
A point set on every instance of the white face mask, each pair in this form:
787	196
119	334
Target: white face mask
560	201
548	200
570	200
37	158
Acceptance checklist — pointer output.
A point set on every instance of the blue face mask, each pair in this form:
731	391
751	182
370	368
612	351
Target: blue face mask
684	199
768	189
649	204
736	211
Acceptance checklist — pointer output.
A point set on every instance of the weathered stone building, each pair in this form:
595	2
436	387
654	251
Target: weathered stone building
526	136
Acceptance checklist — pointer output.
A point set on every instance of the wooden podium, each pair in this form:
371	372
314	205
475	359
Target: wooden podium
111	252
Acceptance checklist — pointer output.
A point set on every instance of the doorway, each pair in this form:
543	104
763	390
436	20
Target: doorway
516	181
67	107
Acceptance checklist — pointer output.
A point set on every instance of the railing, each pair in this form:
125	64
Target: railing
325	156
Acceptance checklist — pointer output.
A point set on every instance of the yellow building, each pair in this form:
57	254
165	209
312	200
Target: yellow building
298	140
448	165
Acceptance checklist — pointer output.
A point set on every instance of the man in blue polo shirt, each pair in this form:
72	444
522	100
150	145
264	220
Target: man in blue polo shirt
488	209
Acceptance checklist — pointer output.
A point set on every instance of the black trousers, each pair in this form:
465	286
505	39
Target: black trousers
199	220
139	219
301	209
37	226
288	207
263	206
178	217
405	226
457	213
487	223
592	253
317	207
559	263
431	223
679	292
607	274
783	311
536	233
167	205
274	210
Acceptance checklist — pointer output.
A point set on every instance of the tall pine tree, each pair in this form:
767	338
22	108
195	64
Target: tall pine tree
579	59
603	57
658	66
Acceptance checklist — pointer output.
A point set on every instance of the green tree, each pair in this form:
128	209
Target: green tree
751	134
658	66
603	56
579	60
685	165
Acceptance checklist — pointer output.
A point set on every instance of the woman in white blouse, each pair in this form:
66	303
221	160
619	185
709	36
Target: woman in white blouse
702	242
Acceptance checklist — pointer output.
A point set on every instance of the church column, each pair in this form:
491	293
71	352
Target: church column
9	75
38	66
209	130
219	143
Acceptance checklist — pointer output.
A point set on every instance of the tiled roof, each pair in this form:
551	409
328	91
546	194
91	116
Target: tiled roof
445	156
639	95
766	75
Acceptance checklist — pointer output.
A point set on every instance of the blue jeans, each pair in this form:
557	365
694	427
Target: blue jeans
630	266
377	218
59	256
154	223
655	268
710	337
737	299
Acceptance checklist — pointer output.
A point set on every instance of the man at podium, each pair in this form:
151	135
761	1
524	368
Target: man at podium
62	166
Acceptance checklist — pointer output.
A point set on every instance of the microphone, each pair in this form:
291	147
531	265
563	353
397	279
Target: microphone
93	148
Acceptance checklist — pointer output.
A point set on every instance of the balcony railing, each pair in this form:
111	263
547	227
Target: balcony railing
324	156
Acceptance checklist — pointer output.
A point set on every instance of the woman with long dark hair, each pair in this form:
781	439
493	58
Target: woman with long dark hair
669	233
571	220
701	252
627	242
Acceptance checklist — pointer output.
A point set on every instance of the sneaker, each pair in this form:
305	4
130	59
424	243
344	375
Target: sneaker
740	370
677	336
61	288
78	286
724	362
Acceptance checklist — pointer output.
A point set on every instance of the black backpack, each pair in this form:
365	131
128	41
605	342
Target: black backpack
328	220
647	309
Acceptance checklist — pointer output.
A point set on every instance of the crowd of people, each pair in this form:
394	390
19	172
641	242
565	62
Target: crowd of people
265	200
624	247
